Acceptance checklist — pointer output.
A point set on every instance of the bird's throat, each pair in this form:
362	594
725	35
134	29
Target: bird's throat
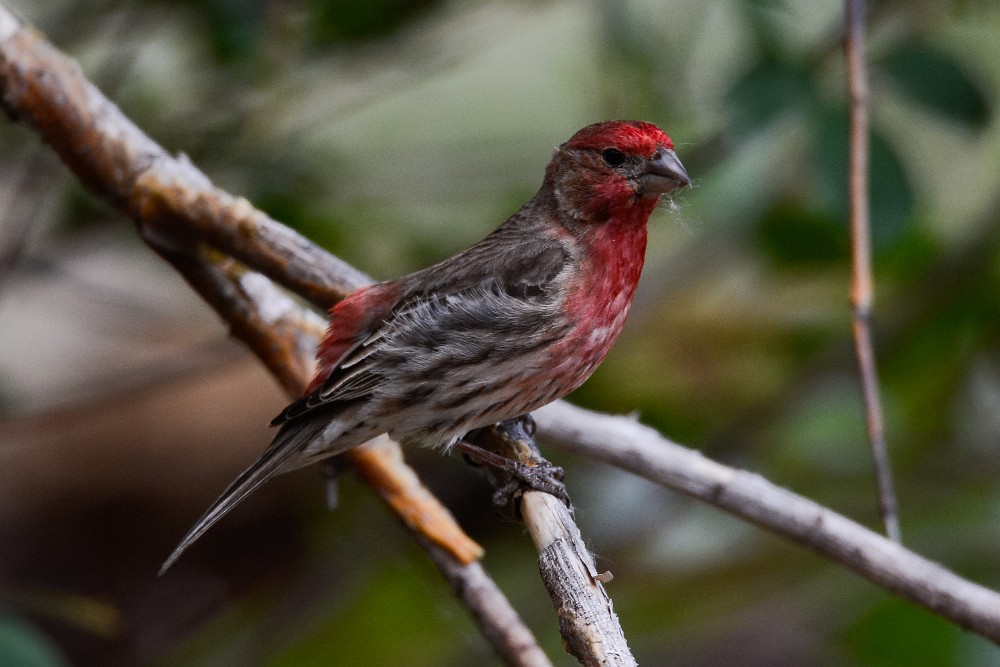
600	300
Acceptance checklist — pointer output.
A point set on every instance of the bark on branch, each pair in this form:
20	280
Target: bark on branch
624	442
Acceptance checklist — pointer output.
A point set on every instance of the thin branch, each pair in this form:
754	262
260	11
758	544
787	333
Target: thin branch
862	292
624	442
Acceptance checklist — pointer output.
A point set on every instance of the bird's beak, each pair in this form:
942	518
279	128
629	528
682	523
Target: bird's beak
663	173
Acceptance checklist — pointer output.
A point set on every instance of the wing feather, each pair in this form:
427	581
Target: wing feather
438	305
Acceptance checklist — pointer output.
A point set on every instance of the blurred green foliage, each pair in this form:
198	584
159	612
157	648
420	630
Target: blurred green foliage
25	646
935	80
395	133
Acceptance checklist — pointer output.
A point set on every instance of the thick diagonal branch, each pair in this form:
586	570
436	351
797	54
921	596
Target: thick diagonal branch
115	160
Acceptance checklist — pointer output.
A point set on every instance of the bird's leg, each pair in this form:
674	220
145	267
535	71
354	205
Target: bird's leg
484	457
508	453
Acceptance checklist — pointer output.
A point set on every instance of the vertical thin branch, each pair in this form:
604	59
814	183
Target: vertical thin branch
861	288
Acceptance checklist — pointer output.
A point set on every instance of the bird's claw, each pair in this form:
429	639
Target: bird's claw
513	478
543	476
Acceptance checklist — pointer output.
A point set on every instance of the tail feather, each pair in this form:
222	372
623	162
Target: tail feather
284	454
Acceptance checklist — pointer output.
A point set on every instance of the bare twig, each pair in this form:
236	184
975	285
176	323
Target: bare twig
589	626
176	200
624	442
861	288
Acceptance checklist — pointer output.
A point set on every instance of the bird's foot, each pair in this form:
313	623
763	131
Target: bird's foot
512	479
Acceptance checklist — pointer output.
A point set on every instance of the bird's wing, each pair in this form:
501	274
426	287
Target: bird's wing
408	328
488	286
353	323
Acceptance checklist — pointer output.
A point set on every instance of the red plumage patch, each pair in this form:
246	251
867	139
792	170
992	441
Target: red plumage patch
630	136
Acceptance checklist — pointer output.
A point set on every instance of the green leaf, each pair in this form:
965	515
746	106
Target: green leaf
936	81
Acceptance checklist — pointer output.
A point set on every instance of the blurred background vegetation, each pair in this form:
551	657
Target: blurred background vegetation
395	133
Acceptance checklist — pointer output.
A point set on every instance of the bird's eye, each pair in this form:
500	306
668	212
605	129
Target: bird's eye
613	157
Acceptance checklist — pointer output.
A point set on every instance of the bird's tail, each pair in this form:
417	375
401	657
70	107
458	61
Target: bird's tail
283	455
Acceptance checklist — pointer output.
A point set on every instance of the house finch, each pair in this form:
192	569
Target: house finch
518	320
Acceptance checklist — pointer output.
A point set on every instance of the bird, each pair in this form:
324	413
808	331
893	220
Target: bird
515	321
